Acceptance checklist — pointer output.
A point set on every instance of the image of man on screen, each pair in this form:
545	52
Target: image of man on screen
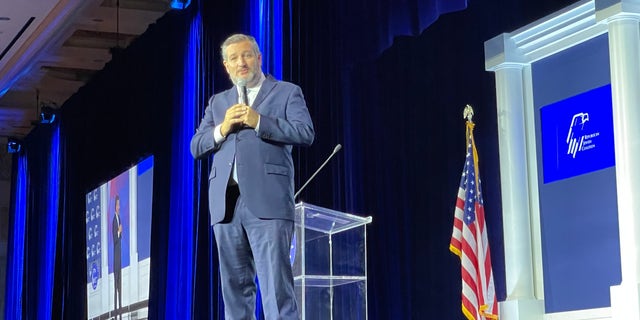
251	129
116	231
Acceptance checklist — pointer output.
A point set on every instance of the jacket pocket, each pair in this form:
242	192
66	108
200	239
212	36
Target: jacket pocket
271	168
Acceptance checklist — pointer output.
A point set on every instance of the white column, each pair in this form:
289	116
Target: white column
624	51
521	302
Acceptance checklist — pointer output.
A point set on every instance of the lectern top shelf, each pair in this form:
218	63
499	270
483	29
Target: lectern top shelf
326	220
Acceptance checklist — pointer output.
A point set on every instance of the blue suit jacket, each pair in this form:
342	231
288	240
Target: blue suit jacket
263	159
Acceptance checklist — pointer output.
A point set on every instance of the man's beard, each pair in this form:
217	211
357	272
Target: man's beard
251	76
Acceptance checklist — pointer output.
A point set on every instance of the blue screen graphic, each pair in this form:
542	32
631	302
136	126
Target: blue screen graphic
577	135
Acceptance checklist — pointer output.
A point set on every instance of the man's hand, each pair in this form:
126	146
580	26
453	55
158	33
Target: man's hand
233	118
250	118
238	115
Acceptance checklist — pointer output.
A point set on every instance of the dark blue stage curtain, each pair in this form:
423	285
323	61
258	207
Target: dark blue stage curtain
183	210
34	226
266	19
16	243
48	219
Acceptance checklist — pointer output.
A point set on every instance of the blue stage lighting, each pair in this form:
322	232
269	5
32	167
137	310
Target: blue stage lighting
13	146
180	4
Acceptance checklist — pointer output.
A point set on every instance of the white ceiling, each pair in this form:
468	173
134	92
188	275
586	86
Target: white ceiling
50	48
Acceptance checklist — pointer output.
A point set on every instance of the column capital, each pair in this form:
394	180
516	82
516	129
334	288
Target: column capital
611	10
502	52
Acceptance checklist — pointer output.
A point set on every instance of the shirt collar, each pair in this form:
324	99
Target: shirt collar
257	86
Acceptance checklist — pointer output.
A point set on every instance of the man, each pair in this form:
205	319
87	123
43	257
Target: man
116	232
251	180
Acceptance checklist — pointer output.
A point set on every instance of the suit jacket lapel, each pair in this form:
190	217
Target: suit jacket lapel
268	85
232	96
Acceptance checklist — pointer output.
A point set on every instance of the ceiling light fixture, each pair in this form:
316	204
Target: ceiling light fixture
14	145
47	114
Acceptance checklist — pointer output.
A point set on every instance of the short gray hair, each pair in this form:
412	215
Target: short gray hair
238	37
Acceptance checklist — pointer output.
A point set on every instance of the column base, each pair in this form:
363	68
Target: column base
525	309
625	301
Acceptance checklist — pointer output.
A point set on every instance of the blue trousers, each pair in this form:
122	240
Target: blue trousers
248	246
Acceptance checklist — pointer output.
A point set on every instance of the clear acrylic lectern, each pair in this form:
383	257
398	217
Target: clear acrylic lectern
329	253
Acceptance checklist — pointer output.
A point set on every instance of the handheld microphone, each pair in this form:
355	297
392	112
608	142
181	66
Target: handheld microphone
242	84
335	150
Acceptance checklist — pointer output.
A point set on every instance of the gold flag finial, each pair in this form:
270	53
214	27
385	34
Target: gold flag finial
468	113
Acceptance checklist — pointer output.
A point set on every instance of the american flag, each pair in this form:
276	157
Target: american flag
470	242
